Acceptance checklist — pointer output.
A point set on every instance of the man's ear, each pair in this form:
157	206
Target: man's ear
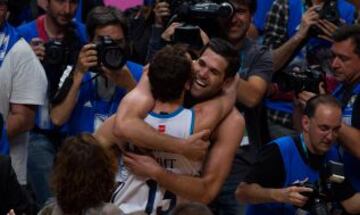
228	82
305	122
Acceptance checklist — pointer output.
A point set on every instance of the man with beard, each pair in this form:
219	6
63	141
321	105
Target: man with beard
56	40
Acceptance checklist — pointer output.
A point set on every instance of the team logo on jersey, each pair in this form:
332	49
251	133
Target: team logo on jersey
162	128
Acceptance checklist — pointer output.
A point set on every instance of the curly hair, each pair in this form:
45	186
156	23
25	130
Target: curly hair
84	174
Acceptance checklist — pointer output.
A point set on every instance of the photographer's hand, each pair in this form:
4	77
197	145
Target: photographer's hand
122	78
292	195
167	34
162	10
304	96
87	58
328	28
38	47
309	18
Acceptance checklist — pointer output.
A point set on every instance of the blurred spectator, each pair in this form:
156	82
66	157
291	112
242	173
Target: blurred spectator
144	22
22	87
83	178
12	195
123	4
260	16
84	7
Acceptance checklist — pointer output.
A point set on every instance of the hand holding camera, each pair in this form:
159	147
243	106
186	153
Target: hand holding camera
38	47
294	195
162	12
310	18
87	58
105	52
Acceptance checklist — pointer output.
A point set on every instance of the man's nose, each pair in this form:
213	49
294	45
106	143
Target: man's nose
204	72
335	62
67	6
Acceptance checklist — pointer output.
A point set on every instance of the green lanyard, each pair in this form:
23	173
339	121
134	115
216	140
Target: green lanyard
304	146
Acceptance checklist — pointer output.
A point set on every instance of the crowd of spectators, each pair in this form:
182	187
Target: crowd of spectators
275	90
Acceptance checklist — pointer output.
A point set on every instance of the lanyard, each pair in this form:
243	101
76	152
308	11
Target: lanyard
304	145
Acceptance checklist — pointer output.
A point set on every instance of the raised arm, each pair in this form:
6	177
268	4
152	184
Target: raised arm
130	126
60	113
349	138
282	54
227	138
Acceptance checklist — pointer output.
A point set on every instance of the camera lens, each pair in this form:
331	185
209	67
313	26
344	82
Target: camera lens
113	58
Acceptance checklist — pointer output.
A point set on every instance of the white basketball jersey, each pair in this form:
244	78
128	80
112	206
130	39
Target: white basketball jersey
138	195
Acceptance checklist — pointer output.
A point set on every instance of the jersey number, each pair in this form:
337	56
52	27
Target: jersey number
153	186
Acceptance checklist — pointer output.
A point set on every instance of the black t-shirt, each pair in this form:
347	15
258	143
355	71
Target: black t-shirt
268	170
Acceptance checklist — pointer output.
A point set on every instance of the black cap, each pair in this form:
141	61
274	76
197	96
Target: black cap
3	1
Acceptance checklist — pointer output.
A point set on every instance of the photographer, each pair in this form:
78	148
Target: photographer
346	66
100	78
298	33
272	186
56	40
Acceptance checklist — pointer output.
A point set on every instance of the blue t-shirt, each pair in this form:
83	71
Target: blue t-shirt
90	109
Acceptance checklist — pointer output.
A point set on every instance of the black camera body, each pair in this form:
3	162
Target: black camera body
317	202
329	12
297	80
56	53
110	53
208	15
331	173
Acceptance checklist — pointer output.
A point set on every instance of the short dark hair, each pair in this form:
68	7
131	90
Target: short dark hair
252	4
227	51
168	72
349	32
83	175
102	16
315	101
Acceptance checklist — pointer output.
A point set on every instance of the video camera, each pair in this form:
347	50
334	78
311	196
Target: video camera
110	53
297	80
195	14
329	11
322	189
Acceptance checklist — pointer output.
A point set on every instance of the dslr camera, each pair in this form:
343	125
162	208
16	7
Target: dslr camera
297	80
56	53
318	200
330	12
110	53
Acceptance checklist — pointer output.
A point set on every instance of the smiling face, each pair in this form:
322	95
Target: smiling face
240	22
321	130
346	63
209	75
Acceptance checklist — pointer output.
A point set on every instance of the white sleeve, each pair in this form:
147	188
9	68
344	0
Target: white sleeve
29	82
